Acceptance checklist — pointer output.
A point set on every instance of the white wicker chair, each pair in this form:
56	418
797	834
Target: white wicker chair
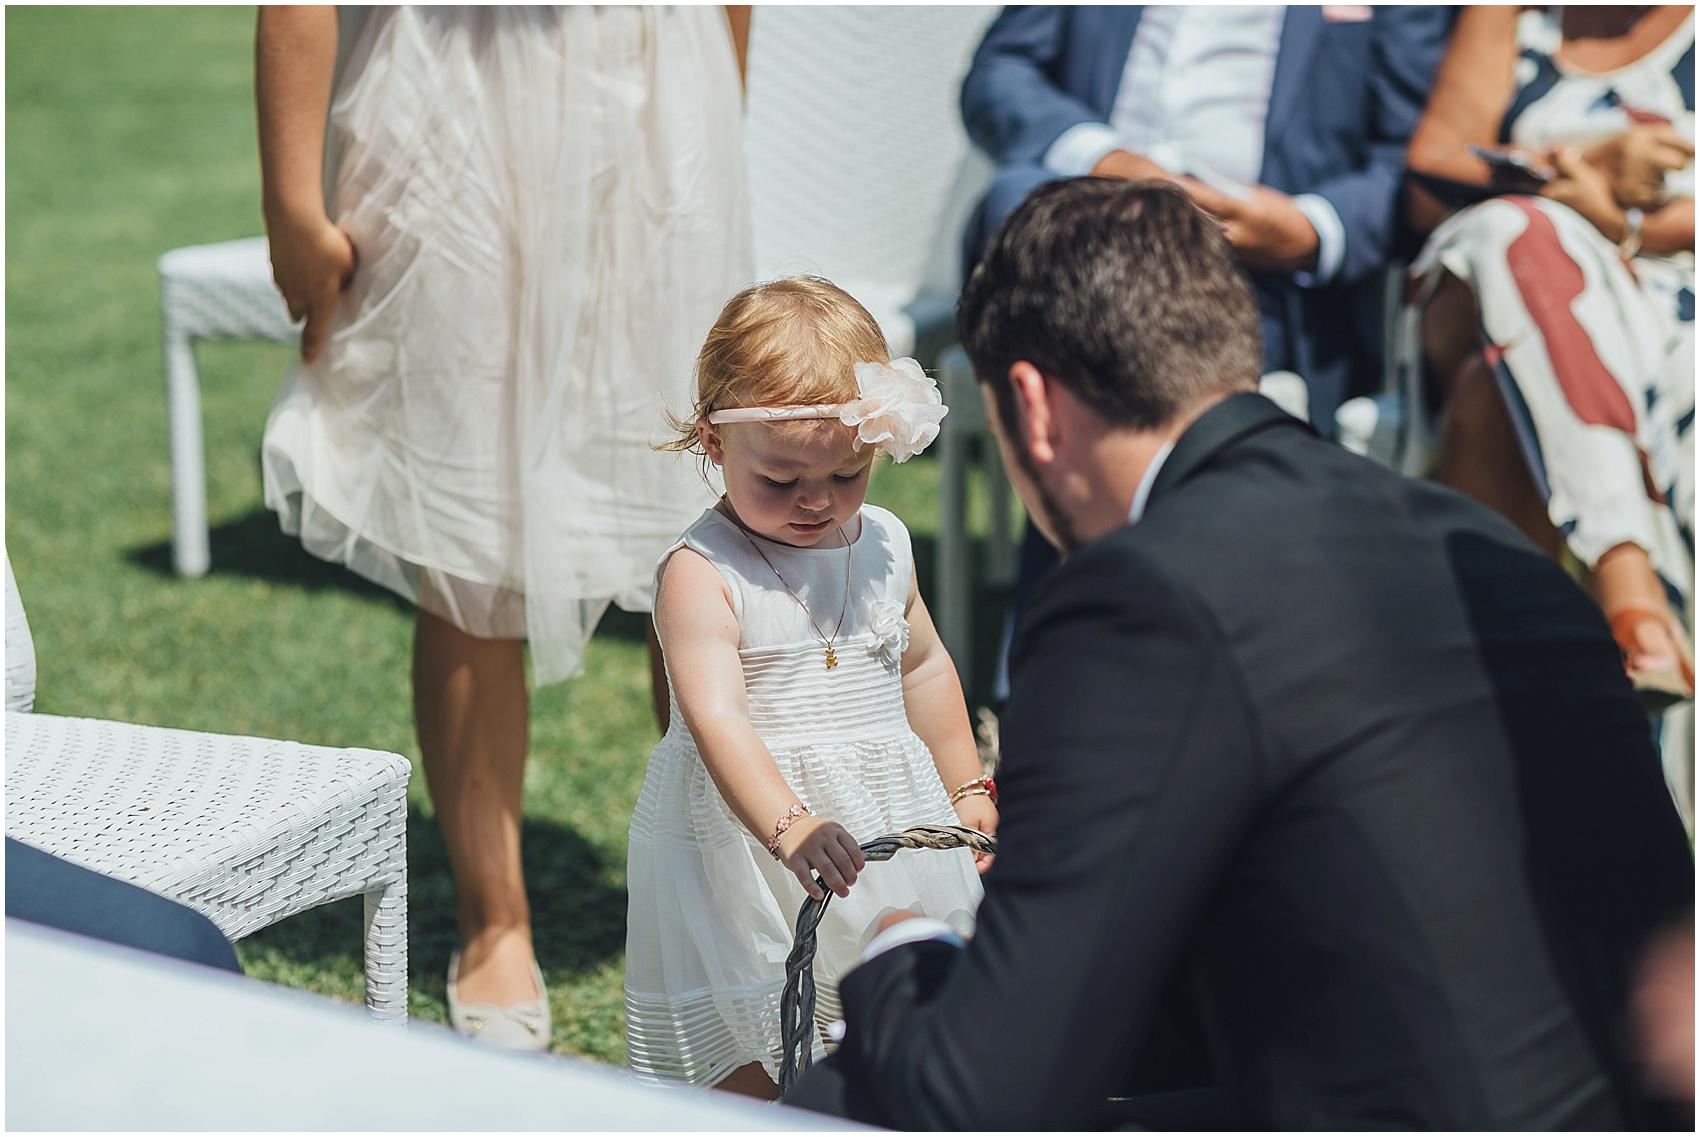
20	650
859	167
247	831
221	291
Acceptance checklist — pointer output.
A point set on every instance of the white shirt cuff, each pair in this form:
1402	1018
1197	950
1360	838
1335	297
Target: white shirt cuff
1330	239
909	932
1078	149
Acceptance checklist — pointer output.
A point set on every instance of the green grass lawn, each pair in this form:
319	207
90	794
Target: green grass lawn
130	132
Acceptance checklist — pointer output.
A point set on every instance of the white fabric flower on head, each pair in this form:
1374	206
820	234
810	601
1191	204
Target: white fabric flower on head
899	407
891	631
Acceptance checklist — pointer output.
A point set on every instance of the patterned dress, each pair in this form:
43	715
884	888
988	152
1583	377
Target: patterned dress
1595	358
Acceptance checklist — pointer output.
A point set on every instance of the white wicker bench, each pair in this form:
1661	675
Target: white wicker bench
248	831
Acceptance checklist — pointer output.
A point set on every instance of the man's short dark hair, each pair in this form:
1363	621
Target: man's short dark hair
1124	292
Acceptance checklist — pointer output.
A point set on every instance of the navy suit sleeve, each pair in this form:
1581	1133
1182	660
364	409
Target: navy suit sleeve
1013	105
1406	43
1130	772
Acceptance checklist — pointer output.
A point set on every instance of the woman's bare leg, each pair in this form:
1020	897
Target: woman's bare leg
1480	456
750	1081
471	709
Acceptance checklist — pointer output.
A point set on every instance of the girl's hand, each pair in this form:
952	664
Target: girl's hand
814	845
1635	162
1586	190
977	812
312	262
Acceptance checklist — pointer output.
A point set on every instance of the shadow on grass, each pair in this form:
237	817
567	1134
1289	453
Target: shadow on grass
254	546
578	914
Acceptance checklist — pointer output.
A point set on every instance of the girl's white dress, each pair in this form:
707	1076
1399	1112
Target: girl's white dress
548	206
712	915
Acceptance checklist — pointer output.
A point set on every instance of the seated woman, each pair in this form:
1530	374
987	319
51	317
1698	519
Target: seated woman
1550	326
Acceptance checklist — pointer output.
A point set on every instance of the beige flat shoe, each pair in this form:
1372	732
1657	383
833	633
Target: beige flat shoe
521	1026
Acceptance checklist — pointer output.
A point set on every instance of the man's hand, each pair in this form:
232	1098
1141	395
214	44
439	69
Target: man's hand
1266	229
892	919
1635	162
814	845
977	812
312	262
1129	167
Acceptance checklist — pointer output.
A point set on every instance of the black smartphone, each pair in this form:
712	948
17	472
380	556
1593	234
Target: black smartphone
1513	162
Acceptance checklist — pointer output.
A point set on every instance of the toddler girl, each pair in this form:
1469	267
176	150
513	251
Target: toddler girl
813	704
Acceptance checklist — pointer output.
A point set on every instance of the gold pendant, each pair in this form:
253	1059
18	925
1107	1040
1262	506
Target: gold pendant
831	658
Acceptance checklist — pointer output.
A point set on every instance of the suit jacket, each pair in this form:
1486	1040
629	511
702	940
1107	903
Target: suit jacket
1333	760
1344	100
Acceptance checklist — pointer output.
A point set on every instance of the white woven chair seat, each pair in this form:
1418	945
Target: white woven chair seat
224	291
247	831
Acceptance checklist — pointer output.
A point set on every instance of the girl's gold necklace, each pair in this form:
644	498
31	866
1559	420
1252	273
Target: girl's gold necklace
849	555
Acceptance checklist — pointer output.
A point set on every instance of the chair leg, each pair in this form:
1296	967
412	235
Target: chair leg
189	555
953	582
386	952
1000	556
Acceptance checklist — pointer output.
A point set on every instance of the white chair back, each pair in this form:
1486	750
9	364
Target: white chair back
20	649
859	167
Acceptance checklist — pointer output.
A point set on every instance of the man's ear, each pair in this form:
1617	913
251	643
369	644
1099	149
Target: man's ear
712	444
1034	428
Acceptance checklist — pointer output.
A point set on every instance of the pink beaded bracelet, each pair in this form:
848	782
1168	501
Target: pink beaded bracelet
786	820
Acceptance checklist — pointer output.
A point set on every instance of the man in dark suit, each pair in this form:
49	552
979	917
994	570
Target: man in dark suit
1289	124
1325	800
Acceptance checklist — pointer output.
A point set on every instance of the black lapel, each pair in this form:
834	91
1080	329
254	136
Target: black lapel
1217	429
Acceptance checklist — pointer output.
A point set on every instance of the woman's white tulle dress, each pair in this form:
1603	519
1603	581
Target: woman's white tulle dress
548	207
712	914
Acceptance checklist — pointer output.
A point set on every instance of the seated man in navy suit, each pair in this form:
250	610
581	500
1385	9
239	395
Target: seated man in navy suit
1288	124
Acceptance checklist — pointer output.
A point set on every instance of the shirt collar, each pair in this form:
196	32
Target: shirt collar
1145	483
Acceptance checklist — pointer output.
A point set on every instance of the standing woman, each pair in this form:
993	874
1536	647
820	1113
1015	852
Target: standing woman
507	229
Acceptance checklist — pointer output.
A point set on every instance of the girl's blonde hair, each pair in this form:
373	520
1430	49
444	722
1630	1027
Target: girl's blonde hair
786	342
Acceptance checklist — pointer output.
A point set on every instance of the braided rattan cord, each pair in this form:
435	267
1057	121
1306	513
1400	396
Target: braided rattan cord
797	1004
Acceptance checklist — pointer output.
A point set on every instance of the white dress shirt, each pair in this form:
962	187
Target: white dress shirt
1194	98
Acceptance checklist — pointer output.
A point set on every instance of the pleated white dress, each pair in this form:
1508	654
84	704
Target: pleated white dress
712	915
549	209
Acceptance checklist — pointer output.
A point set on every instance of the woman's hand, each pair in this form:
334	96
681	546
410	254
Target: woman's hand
1635	162
1586	190
977	812
312	262
814	845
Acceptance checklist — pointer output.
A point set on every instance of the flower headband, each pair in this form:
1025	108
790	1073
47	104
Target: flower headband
898	409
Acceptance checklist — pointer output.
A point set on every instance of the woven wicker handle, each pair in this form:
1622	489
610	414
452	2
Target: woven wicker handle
797	1004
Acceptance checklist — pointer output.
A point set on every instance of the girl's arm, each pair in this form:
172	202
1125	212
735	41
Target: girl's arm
932	698
699	638
1471	92
294	59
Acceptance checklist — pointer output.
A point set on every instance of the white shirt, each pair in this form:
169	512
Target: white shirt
1194	98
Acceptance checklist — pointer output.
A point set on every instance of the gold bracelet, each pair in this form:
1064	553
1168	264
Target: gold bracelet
978	785
786	820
